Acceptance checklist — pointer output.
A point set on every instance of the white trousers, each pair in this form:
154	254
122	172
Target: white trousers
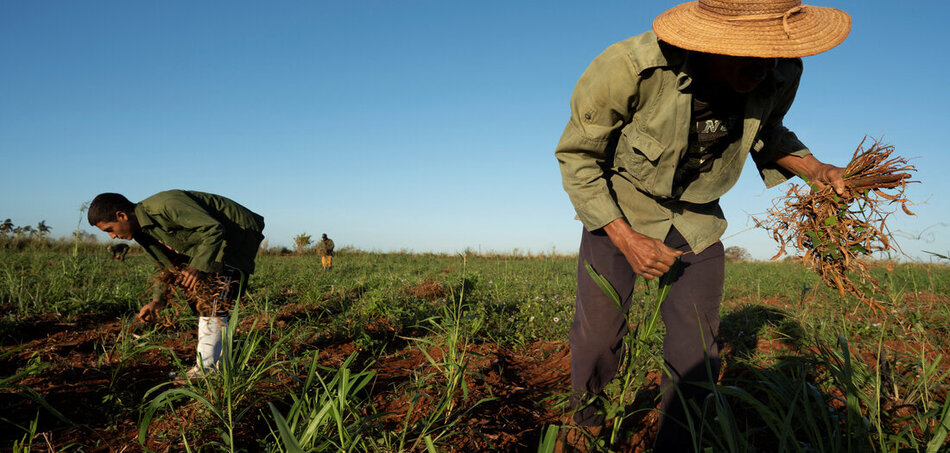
210	330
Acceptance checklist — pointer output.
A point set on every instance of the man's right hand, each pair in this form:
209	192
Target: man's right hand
649	257
189	277
149	312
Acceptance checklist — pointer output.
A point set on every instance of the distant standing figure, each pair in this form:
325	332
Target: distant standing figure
119	251
325	250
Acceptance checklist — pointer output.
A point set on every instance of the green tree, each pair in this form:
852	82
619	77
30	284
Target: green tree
301	241
84	236
42	229
6	227
736	253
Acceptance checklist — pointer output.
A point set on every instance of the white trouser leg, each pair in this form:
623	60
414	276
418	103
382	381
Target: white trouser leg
209	341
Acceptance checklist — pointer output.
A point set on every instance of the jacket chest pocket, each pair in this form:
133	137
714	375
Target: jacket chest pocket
643	158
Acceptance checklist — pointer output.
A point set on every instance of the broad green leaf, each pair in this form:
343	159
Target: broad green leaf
286	434
430	446
943	427
550	440
604	285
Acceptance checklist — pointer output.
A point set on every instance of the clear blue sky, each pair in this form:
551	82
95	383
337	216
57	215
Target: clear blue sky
417	125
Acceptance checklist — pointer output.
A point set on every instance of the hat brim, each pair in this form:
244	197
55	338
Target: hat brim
812	30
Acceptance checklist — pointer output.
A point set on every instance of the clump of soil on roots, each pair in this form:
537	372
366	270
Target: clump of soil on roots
428	290
205	293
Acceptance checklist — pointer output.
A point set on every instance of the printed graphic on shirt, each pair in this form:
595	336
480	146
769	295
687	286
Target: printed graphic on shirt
710	130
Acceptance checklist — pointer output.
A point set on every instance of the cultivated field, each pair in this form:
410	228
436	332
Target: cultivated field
414	352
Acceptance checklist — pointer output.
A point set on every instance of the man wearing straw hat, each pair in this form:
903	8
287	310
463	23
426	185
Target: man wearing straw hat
660	127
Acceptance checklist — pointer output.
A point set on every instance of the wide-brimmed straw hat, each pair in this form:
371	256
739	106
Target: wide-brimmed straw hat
753	28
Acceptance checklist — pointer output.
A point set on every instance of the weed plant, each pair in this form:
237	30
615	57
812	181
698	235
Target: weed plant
637	344
328	414
822	401
249	371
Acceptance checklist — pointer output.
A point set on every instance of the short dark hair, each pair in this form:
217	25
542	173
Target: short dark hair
105	205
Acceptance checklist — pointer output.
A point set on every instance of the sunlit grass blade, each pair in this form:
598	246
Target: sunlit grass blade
943	427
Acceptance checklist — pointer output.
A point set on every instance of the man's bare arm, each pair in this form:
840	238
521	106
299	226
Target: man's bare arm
818	173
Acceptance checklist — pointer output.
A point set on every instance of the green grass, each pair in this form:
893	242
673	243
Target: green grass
884	380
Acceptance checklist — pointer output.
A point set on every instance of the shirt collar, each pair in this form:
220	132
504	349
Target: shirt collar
674	58
145	220
684	77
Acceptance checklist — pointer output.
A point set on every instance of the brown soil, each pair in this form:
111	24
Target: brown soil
521	387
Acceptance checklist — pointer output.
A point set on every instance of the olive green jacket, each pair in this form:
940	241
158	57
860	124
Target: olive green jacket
629	127
209	230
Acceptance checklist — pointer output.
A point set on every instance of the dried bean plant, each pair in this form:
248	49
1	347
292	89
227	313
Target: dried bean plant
204	295
836	234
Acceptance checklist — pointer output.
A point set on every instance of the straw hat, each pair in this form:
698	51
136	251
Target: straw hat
753	28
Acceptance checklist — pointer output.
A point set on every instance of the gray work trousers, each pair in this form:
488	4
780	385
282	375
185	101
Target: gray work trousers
691	316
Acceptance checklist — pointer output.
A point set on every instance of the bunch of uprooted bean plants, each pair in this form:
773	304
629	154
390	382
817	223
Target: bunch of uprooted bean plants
836	234
204	295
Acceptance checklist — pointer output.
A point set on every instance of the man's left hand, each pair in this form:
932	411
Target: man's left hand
816	172
829	175
189	277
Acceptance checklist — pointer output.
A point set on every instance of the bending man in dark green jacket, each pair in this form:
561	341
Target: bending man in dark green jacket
204	236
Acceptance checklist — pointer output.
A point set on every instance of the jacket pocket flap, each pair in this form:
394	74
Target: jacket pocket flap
644	144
